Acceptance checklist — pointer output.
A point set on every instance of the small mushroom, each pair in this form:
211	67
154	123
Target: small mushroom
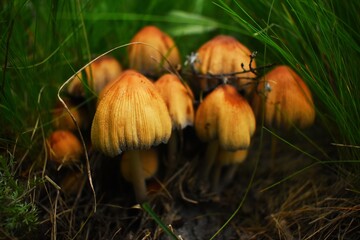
62	119
98	74
149	59
72	182
224	119
223	55
149	164
229	159
131	116
288	103
64	148
284	100
179	99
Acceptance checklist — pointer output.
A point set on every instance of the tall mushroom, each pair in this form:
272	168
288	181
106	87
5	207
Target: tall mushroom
131	116
288	103
179	99
223	55
149	59
224	119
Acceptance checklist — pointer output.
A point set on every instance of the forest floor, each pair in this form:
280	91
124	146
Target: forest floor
308	201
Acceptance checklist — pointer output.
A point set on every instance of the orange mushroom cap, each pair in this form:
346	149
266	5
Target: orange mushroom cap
224	54
63	120
131	115
148	59
64	147
178	98
225	115
288	103
99	73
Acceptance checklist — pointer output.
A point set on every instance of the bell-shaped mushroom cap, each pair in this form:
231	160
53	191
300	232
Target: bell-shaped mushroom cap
225	54
64	147
225	115
288	103
149	59
131	115
149	163
178	98
98	74
231	157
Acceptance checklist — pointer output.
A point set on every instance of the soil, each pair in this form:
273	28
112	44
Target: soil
288	210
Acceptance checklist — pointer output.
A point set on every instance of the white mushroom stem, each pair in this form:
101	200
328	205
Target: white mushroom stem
137	176
210	156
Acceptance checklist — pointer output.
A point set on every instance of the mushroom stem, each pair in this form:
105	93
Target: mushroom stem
137	176
229	174
210	155
216	175
274	144
172	151
174	147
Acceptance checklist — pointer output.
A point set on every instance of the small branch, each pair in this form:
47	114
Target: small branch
192	59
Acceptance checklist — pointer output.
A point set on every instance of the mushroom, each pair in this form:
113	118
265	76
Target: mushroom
230	159
150	59
224	119
285	103
72	182
98	74
64	148
289	102
131	116
149	164
223	55
62	119
179	99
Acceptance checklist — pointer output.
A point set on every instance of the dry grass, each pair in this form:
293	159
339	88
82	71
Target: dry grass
312	204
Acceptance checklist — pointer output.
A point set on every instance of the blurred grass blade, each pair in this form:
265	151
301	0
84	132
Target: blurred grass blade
146	206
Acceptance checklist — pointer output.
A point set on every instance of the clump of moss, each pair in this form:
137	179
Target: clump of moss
18	216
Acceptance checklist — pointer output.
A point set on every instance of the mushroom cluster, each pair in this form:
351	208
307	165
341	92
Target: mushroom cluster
143	111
